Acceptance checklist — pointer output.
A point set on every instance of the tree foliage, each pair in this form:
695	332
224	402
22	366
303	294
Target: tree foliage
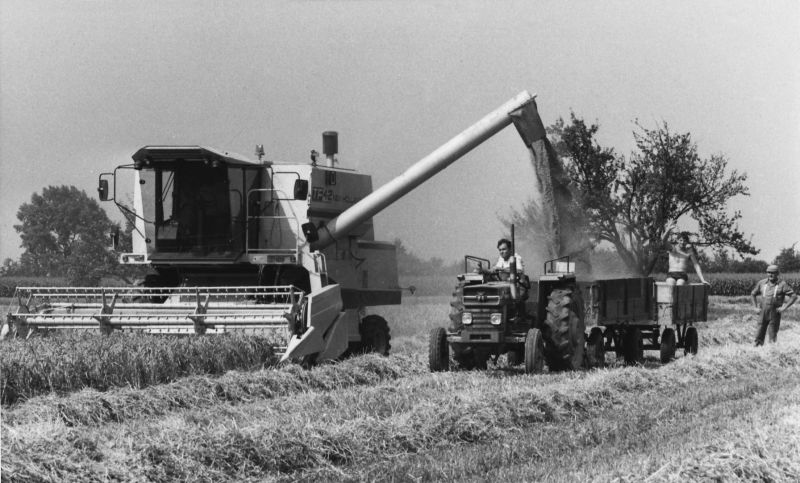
723	262
65	233
631	203
788	260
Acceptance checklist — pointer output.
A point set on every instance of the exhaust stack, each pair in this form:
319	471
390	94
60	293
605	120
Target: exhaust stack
330	147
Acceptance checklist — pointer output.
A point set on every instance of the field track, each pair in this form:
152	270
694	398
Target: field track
727	414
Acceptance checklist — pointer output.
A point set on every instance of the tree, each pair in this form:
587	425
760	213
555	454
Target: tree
723	262
631	203
66	233
788	260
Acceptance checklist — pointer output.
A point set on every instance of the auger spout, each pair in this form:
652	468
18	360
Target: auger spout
521	110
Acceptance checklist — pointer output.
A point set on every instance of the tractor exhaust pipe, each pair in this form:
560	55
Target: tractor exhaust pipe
521	110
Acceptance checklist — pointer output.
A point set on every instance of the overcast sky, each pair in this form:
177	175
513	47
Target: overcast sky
85	83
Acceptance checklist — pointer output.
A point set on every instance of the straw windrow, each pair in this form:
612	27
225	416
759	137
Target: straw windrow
334	429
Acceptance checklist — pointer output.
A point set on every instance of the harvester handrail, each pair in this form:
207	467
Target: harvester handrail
249	217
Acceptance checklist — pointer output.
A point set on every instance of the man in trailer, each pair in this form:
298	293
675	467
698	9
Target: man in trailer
681	253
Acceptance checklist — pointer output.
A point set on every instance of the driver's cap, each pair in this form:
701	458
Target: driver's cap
772	269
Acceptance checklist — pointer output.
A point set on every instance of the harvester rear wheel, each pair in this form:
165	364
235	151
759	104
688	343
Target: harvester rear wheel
375	335
633	346
595	349
438	351
667	345
691	341
566	330
534	351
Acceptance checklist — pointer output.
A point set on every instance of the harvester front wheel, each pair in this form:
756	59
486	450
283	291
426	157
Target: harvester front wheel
375	335
438	351
566	330
595	349
667	345
534	351
691	342
633	346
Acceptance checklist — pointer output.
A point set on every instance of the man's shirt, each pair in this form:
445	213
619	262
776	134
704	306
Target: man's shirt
506	264
772	293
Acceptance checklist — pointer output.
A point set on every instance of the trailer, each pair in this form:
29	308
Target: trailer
631	315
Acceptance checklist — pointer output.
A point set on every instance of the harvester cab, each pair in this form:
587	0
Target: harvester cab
241	244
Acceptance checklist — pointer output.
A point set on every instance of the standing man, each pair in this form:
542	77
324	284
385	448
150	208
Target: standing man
773	292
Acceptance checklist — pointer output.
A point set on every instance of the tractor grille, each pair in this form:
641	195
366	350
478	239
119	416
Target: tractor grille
481	316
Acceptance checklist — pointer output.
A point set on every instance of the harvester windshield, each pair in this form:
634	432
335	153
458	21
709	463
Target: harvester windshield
195	207
191	208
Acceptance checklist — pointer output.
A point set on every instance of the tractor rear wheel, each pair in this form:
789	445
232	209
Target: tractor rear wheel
534	351
667	345
633	346
375	335
438	351
691	342
566	330
595	349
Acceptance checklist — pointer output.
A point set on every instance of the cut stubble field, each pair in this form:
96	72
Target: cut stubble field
727	414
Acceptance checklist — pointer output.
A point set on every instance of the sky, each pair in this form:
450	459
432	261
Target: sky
86	83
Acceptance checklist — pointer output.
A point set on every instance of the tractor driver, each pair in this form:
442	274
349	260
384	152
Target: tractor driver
680	254
503	264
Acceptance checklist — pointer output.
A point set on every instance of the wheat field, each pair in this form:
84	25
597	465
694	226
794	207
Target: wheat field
727	414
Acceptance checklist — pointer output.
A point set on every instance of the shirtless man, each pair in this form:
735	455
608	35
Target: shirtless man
679	256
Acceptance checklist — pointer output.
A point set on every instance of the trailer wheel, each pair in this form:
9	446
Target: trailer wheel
375	335
534	351
667	345
565	330
595	349
691	341
633	346
438	351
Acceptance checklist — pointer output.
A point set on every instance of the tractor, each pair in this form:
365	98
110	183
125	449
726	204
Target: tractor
545	321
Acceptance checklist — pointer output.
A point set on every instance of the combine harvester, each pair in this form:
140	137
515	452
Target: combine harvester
236	244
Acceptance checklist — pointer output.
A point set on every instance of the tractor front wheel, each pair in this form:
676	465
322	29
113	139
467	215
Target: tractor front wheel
438	351
534	351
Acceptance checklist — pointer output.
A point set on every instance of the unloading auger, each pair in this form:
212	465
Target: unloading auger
236	244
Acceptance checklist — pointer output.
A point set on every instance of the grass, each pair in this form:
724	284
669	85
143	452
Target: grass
721	414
